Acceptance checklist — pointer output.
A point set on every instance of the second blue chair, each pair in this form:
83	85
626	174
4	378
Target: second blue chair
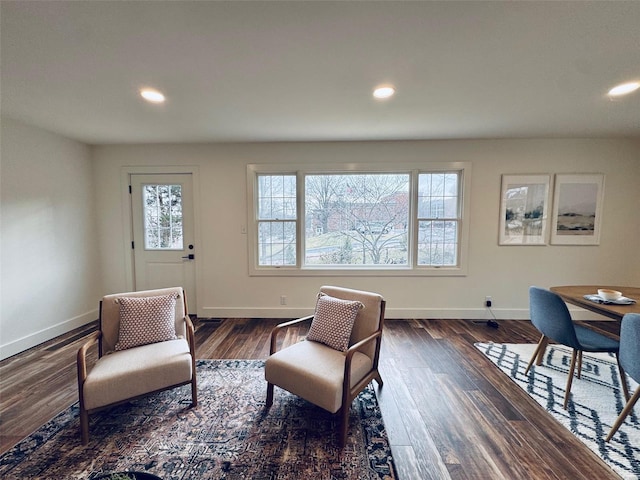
630	362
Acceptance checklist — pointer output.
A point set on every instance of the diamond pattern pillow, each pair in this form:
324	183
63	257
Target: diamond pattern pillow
145	320
333	321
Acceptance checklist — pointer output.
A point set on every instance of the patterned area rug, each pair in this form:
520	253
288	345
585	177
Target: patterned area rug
595	402
228	436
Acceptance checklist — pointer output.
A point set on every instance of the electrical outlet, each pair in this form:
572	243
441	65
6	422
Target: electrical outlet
487	301
283	299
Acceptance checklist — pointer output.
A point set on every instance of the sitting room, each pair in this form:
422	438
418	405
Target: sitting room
409	170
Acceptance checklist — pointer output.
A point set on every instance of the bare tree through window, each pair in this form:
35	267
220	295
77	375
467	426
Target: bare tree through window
356	219
360	220
162	217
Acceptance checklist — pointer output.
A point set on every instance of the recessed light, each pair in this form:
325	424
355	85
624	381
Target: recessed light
152	95
384	91
624	89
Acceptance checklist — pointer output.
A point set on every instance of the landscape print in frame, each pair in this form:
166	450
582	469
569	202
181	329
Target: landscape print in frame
524	204
577	209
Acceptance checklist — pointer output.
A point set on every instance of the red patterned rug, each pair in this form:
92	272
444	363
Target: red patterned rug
228	436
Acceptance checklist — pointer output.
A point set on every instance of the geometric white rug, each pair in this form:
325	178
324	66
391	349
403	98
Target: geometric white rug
595	402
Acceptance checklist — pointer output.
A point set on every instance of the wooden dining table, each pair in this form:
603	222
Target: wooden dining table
574	294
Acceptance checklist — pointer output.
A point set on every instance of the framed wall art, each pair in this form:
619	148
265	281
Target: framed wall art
524	201
577	209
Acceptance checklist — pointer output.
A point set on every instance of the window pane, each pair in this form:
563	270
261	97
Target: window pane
438	195
356	219
276	197
437	243
276	243
162	217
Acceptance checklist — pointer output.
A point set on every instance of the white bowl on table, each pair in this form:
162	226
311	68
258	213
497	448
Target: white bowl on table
609	295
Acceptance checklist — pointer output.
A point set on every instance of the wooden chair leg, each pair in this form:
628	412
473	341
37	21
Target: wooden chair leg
579	363
378	380
84	425
572	368
623	380
269	401
542	343
194	392
625	411
344	424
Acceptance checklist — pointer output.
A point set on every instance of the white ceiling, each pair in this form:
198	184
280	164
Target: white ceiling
297	71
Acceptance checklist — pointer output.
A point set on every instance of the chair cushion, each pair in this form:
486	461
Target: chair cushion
592	341
145	320
136	371
333	321
314	372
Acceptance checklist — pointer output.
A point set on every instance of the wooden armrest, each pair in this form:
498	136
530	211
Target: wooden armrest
190	333
280	326
358	346
81	358
352	351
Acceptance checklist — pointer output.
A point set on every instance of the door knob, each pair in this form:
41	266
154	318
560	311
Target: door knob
191	256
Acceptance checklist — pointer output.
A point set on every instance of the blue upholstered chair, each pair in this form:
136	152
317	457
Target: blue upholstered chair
629	358
550	315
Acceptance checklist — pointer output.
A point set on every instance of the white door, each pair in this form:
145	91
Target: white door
163	238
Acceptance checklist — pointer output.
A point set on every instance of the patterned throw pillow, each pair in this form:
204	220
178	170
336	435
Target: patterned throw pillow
145	320
333	321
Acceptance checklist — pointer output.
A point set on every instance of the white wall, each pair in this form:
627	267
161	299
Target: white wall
50	273
504	272
64	220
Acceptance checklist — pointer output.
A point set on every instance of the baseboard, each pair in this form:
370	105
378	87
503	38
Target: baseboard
391	313
36	338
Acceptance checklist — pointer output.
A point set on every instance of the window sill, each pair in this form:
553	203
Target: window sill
361	272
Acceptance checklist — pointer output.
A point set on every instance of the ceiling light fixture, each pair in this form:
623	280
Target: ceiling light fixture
152	95
624	89
384	91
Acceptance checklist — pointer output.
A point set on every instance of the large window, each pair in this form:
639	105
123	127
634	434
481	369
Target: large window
362	220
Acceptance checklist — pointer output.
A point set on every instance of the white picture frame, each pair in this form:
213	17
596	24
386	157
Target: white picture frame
577	209
524	204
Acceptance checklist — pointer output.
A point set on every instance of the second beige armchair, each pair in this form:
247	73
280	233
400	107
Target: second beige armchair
339	357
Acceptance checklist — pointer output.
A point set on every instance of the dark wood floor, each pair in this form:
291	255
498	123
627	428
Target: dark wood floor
448	412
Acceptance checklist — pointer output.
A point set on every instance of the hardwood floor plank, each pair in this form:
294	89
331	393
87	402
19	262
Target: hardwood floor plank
499	443
407	465
389	407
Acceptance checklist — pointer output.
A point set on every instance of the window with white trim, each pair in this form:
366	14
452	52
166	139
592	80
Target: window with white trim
277	220
325	220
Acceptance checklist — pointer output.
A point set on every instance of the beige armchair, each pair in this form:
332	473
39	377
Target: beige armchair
325	369
145	345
